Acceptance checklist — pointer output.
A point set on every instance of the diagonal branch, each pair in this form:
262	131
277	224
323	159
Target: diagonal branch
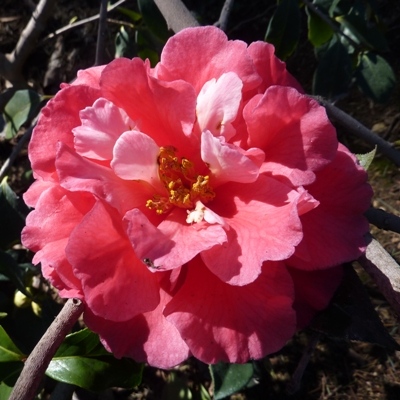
176	14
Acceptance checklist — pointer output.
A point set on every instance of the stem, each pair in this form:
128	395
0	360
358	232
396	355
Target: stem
226	11
383	219
357	129
101	33
176	14
38	361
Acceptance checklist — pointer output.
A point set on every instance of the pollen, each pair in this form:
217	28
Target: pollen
184	187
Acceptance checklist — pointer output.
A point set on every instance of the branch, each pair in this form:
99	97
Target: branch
222	23
101	33
383	219
27	41
79	23
38	361
385	272
357	129
176	14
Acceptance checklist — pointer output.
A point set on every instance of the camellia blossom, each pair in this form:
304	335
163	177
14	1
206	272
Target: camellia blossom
202	207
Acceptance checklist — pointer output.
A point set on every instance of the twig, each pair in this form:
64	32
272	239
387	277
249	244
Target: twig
27	41
356	128
38	361
176	14
383	219
16	150
329	22
79	23
225	12
101	33
295	382
385	272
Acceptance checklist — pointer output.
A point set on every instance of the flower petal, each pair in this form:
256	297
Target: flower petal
227	162
218	104
205	51
334	231
174	242
101	126
148	337
294	132
121	286
264	225
220	322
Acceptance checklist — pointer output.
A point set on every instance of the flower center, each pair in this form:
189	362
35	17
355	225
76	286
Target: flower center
184	186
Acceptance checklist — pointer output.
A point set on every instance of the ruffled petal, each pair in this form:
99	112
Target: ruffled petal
102	124
263	225
218	104
89	77
174	242
116	284
220	322
294	132
334	231
148	337
205	51
56	208
55	124
227	162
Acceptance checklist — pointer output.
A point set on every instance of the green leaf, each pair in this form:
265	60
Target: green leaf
328	6
368	34
153	19
319	32
10	268
133	15
284	28
352	316
8	350
82	361
5	391
333	75
10	371
124	46
375	77
230	378
12	215
22	107
366	159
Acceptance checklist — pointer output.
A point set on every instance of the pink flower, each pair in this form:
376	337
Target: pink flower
202	207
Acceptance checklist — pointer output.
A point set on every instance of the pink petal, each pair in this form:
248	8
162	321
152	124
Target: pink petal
218	103
79	174
270	68
55	124
220	322
204	53
263	226
294	132
55	208
174	242
334	231
116	284
89	77
314	290
135	158
227	162
148	337
102	124
163	110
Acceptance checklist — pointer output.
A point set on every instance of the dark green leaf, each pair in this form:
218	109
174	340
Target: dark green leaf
328	6
368	34
10	371
284	28
12	216
81	360
10	357
5	391
22	107
319	32
13	271
366	159
153	19
230	378
352	316
133	15
332	77
149	54
375	77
